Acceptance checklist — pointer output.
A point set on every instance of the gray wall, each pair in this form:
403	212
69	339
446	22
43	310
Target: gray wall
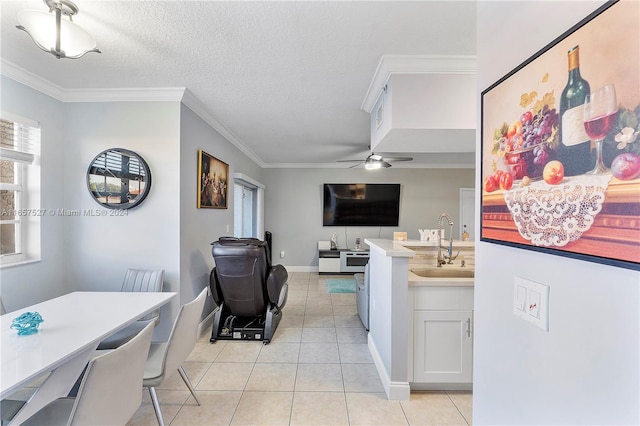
167	231
23	285
294	206
200	227
585	370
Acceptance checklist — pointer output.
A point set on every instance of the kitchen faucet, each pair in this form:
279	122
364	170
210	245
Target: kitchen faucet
447	258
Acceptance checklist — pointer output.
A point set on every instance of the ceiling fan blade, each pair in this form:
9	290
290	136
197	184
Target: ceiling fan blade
356	165
349	161
386	165
398	158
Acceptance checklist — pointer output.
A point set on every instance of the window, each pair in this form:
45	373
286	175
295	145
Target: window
20	211
248	210
243	223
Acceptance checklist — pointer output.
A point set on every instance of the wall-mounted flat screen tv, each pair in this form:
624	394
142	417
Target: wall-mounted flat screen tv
361	204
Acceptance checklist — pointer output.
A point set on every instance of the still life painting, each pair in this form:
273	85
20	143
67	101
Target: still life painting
213	177
560	145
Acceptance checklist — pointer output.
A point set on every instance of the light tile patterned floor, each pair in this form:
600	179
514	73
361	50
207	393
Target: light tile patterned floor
317	370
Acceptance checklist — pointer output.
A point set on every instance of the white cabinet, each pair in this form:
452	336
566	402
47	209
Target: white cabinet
443	335
329	265
342	261
442	346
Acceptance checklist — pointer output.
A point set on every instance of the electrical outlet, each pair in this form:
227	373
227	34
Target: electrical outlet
282	254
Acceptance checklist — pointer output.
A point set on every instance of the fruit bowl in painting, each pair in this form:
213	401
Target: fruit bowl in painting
528	161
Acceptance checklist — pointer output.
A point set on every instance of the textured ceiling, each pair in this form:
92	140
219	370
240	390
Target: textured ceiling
287	78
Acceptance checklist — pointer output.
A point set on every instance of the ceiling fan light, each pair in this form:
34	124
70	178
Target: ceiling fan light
372	165
74	42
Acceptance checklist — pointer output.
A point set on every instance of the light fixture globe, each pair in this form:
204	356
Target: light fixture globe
375	161
60	37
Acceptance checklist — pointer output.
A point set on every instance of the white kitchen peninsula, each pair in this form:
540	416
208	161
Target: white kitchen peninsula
389	315
394	296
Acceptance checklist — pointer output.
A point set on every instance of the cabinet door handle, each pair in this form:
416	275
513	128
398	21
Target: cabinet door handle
468	327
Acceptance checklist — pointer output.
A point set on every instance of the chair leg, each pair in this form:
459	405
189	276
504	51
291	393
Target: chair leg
187	382
156	405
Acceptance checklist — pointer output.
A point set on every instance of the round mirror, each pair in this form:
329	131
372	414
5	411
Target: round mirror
118	179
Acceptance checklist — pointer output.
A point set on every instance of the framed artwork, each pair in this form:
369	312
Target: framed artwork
560	145
213	178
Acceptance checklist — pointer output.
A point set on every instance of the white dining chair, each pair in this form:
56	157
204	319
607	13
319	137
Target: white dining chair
109	393
136	280
167	357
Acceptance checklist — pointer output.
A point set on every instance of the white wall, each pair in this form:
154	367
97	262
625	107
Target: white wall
294	206
200	227
24	285
586	369
99	250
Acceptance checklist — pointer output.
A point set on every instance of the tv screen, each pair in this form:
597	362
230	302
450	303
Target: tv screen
361	204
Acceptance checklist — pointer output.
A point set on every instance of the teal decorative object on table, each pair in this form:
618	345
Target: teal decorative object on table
341	285
27	323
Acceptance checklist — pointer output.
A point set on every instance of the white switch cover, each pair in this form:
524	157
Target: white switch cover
521	298
535	308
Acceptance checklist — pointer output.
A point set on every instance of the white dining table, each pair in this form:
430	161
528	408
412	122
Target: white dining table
74	324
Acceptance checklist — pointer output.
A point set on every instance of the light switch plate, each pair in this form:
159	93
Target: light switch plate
535	296
521	298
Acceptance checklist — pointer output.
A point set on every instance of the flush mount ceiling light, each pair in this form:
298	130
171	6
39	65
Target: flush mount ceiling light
60	37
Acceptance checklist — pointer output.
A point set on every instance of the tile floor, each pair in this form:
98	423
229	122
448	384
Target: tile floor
317	370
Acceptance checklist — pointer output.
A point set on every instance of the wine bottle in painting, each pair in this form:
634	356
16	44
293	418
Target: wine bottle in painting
575	144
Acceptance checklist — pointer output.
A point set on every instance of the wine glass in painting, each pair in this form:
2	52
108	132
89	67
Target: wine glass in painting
600	110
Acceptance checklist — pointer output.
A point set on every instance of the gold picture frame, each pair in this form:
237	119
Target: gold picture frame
213	178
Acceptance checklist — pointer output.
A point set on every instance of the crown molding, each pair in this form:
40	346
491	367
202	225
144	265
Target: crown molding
388	65
303	166
162	94
415	64
158	94
191	102
342	166
30	79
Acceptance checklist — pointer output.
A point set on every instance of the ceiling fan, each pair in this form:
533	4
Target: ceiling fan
375	161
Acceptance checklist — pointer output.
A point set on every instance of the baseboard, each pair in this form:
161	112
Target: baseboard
441	386
396	391
301	268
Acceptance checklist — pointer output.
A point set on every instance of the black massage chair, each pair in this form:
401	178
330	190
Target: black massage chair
249	292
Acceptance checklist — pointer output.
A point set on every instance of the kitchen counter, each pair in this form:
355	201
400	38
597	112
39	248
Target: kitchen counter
420	243
421	281
390	315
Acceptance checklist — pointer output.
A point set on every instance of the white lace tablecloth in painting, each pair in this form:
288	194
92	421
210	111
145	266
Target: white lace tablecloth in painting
555	215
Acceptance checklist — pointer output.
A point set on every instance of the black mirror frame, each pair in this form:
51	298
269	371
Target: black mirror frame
139	198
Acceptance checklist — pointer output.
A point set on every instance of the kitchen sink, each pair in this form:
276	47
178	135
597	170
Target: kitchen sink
444	272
